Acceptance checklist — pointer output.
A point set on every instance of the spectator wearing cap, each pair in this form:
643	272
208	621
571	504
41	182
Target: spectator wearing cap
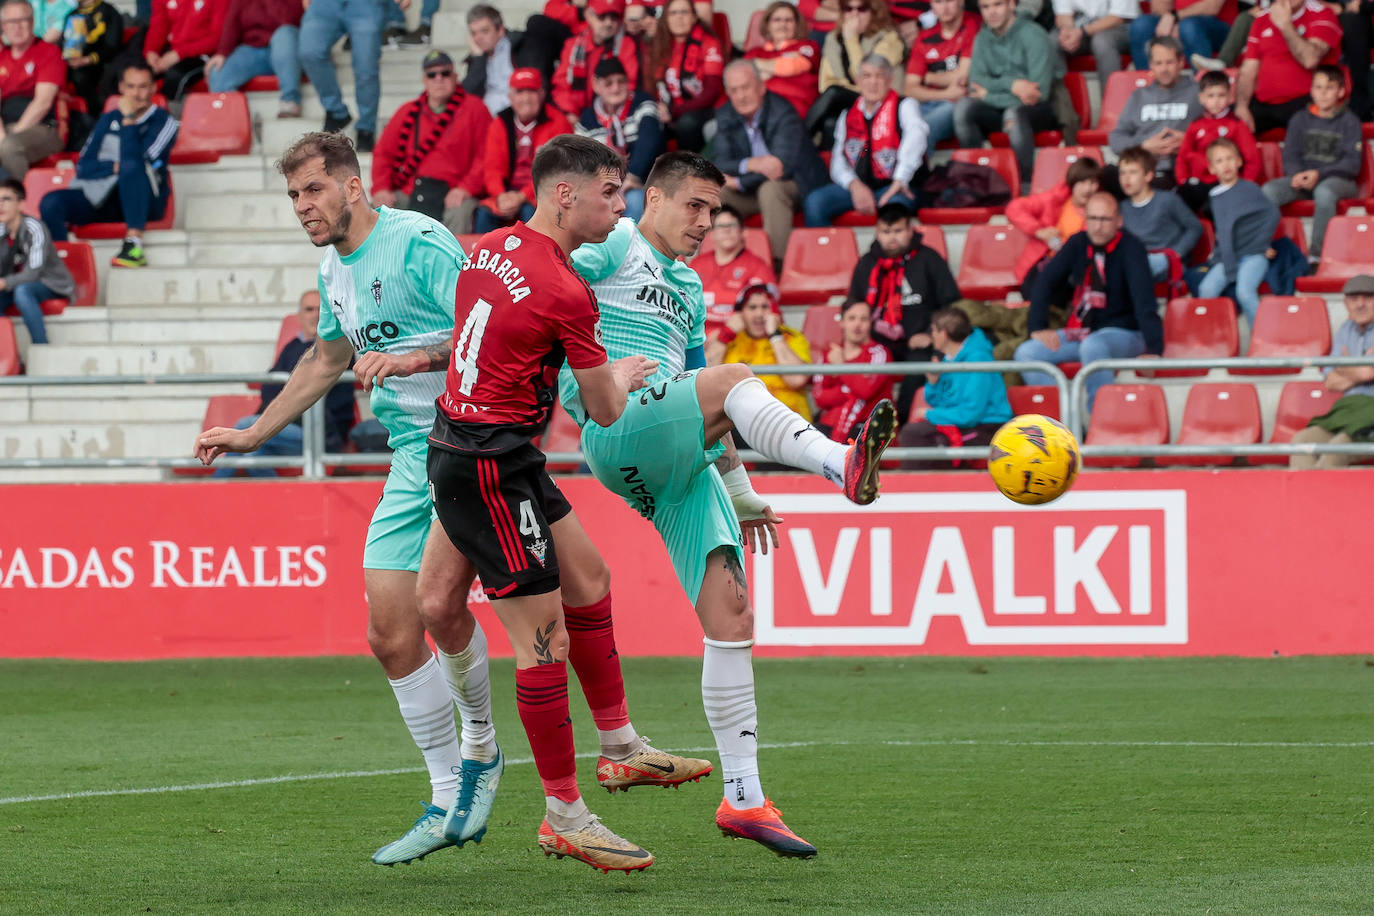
515	136
1352	416
603	37
844	401
755	335
685	65
260	38
324	22
626	121
431	157
879	145
727	268
31	73
497	53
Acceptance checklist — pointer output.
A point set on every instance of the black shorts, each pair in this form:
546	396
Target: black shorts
497	511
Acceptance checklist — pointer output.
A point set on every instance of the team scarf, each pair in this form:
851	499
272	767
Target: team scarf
684	63
578	61
873	140
418	147
1092	289
614	122
885	286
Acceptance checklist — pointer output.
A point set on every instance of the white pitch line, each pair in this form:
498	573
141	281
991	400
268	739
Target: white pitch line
519	761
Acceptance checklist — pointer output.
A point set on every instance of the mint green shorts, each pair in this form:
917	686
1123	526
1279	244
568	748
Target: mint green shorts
655	458
396	536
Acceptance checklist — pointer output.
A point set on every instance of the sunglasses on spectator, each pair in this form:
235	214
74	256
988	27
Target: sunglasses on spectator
611	15
858	9
438	74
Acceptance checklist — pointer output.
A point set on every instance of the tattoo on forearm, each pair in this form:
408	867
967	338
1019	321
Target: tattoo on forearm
438	355
543	650
727	462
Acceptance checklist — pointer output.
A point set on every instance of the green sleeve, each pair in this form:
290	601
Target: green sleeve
696	335
329	328
433	262
1041	58
598	261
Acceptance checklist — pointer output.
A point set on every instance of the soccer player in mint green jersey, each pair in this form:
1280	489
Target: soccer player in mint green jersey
387	282
669	456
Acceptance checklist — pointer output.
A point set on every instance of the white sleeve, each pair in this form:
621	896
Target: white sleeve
1126	9
840	171
911	152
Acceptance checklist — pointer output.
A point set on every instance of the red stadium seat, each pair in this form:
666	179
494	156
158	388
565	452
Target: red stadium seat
116	230
1291	227
226	410
1120	85
1041	399
1127	415
1218	413
819	264
1077	87
1003	161
754	240
1271	160
1052	162
986	271
1348	250
9	349
38	182
213	124
562	435
1298	403
1289	326
1203	250
266	83
1364	190
720	24
821	328
1199	329
854	218
753	36
80	261
933	237
289	331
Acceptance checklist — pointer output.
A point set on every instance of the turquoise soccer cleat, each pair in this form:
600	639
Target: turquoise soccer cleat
419	841
467	819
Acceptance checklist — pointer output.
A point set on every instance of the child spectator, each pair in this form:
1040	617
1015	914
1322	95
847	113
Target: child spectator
685	67
1245	221
1195	179
627	121
844	401
787	60
1051	217
30	270
91	37
963	408
756	336
728	268
1162	221
1321	154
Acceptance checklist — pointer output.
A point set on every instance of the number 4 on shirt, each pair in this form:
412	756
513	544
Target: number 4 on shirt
469	342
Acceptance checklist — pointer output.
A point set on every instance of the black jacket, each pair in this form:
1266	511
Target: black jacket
1130	289
928	286
475	81
782	132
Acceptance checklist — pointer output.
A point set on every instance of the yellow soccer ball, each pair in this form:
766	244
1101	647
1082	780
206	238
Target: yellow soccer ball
1033	459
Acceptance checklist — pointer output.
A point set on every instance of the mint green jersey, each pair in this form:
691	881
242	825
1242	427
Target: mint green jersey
395	294
651	306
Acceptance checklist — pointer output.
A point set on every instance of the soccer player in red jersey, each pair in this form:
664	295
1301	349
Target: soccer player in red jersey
521	311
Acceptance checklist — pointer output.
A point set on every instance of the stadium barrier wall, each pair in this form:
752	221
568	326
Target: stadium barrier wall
1190	562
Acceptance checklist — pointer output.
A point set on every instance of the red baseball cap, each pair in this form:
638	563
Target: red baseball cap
526	78
758	285
602	7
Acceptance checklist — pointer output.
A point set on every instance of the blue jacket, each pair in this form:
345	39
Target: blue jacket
966	399
144	146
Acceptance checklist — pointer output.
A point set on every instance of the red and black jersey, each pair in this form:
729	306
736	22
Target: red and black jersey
934	53
520	310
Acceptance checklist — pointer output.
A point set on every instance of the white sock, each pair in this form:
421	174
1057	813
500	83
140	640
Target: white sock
780	433
619	743
727	692
563	815
469	682
427	707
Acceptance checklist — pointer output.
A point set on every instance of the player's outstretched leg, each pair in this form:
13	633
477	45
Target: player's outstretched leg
627	759
733	397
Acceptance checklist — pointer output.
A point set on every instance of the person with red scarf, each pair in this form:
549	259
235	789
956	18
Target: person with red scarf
430	158
627	121
903	282
845	401
515	136
684	70
788	61
604	36
880	143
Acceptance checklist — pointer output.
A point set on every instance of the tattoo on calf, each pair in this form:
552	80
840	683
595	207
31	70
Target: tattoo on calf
542	640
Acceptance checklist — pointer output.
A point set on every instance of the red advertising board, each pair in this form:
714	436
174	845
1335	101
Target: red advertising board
1191	562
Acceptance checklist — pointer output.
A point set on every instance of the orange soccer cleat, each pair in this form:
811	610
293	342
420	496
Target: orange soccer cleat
861	462
762	825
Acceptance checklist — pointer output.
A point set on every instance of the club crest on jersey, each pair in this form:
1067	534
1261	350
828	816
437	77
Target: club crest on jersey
538	549
377	290
512	243
596	332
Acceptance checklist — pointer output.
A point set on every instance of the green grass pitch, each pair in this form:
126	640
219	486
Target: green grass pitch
929	785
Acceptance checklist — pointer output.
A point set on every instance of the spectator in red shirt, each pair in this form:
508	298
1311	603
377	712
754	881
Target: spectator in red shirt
1195	180
728	268
844	401
260	38
514	137
604	36
31	73
821	15
430	157
937	70
180	40
685	66
1291	37
788	61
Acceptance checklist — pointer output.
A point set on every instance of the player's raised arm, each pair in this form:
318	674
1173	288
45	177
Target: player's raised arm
317	372
604	388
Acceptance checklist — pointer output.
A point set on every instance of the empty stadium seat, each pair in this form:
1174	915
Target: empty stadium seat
1347	250
1298	403
38	182
1218	413
1199	329
9	349
1003	161
819	264
1289	326
226	410
1119	87
753	35
1077	86
1052	162
1127	415
213	124
933	237
755	240
821	328
990	253
1041	399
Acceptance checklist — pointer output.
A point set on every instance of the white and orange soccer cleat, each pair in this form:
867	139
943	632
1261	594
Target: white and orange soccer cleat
649	766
